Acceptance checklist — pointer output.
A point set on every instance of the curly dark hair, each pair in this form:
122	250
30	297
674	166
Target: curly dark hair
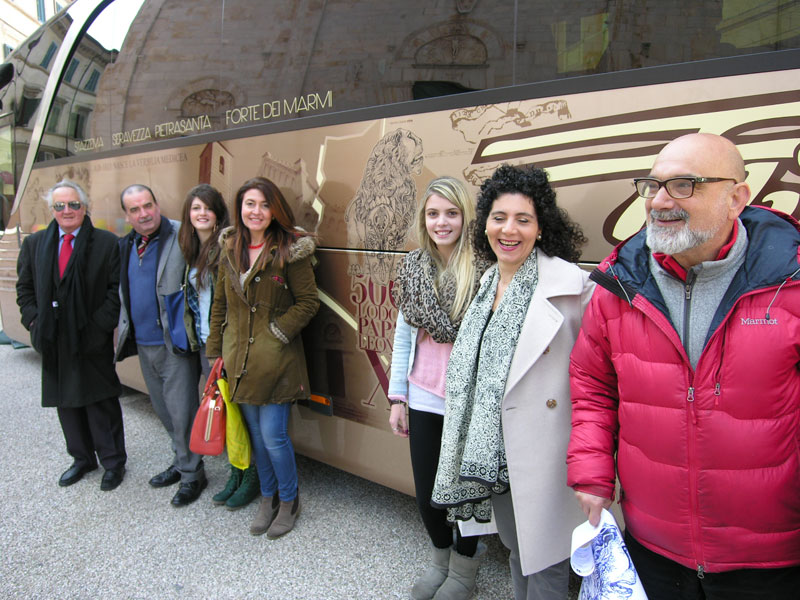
561	236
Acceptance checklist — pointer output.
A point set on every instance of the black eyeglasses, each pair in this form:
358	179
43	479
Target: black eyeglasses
74	205
677	187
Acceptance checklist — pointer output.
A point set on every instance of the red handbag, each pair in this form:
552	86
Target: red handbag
208	430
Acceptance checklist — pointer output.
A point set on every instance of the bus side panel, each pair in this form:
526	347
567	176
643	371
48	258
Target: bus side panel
357	186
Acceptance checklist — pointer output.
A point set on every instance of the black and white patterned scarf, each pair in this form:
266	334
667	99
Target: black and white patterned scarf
472	463
415	294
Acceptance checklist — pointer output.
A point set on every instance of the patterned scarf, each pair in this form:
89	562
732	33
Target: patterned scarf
472	463
416	296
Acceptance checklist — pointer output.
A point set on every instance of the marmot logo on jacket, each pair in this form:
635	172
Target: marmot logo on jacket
749	321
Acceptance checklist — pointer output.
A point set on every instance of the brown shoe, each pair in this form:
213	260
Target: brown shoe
267	511
284	521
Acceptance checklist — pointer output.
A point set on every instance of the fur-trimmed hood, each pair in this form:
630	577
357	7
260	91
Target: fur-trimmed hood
303	246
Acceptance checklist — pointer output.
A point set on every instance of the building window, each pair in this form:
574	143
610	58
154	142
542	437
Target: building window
54	117
48	56
77	125
28	106
7	50
40	11
91	85
73	65
222	165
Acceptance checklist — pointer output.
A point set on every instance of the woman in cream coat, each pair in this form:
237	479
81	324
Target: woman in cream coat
507	422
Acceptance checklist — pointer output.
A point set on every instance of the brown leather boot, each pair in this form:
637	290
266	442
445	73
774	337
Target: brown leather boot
267	511
287	515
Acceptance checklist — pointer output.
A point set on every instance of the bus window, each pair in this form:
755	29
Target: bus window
149	70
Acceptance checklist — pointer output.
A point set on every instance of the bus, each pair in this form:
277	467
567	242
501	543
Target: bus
352	106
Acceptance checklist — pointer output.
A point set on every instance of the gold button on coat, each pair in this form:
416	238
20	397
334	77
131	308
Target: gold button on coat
551	403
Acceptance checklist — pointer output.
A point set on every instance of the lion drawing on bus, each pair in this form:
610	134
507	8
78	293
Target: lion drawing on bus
379	216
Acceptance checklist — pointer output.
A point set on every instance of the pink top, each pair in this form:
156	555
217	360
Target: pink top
430	364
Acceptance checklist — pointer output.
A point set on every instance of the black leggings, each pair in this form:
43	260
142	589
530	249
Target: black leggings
425	438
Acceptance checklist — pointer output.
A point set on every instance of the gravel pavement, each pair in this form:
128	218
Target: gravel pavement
353	539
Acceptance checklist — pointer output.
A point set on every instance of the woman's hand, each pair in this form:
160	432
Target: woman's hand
398	420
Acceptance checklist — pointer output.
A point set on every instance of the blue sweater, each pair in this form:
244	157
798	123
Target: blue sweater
144	304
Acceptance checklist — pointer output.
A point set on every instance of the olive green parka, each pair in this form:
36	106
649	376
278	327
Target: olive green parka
256	327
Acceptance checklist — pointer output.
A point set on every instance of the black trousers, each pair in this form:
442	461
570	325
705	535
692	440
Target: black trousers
425	438
95	432
664	579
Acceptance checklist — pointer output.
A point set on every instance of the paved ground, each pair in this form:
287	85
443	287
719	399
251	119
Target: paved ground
354	539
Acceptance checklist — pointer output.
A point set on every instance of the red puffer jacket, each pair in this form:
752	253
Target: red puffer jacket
708	459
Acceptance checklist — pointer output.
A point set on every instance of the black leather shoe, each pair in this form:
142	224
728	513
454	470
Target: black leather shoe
111	479
189	492
75	473
165	478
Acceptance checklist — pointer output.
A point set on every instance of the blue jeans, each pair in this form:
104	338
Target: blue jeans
274	452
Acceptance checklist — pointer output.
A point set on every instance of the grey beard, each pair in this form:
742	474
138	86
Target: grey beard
666	241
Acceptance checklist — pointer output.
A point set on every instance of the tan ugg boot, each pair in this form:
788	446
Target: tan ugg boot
434	576
287	515
267	510
461	573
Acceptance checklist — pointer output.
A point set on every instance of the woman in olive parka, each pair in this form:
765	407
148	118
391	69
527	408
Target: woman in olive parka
265	294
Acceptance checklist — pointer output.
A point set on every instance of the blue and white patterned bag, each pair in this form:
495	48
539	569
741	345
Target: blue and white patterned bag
599	556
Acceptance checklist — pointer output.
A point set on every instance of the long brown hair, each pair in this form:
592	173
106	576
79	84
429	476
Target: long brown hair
196	254
280	234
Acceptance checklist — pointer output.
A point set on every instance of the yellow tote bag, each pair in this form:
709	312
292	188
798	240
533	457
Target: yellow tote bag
236	438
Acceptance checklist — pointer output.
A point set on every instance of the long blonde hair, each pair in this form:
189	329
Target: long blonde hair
461	264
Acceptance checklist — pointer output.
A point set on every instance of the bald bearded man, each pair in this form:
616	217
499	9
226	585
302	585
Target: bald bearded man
685	383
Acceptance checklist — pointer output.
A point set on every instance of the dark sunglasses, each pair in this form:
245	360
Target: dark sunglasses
74	205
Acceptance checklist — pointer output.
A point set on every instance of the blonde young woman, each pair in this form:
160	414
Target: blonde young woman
265	295
433	289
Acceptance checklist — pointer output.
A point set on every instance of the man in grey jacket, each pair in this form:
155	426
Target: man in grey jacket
152	268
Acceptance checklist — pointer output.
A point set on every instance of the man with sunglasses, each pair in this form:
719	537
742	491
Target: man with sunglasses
685	384
67	291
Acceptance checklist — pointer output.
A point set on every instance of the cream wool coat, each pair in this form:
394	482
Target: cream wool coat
536	415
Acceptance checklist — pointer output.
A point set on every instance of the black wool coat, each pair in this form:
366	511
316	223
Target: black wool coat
72	320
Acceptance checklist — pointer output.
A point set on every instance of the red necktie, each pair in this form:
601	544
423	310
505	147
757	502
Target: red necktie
143	241
66	252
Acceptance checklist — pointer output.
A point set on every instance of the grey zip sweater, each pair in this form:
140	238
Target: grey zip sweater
693	303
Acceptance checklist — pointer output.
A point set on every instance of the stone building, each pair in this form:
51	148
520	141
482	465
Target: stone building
20	18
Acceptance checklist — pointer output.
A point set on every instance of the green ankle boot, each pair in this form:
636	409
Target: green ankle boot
233	484
248	490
